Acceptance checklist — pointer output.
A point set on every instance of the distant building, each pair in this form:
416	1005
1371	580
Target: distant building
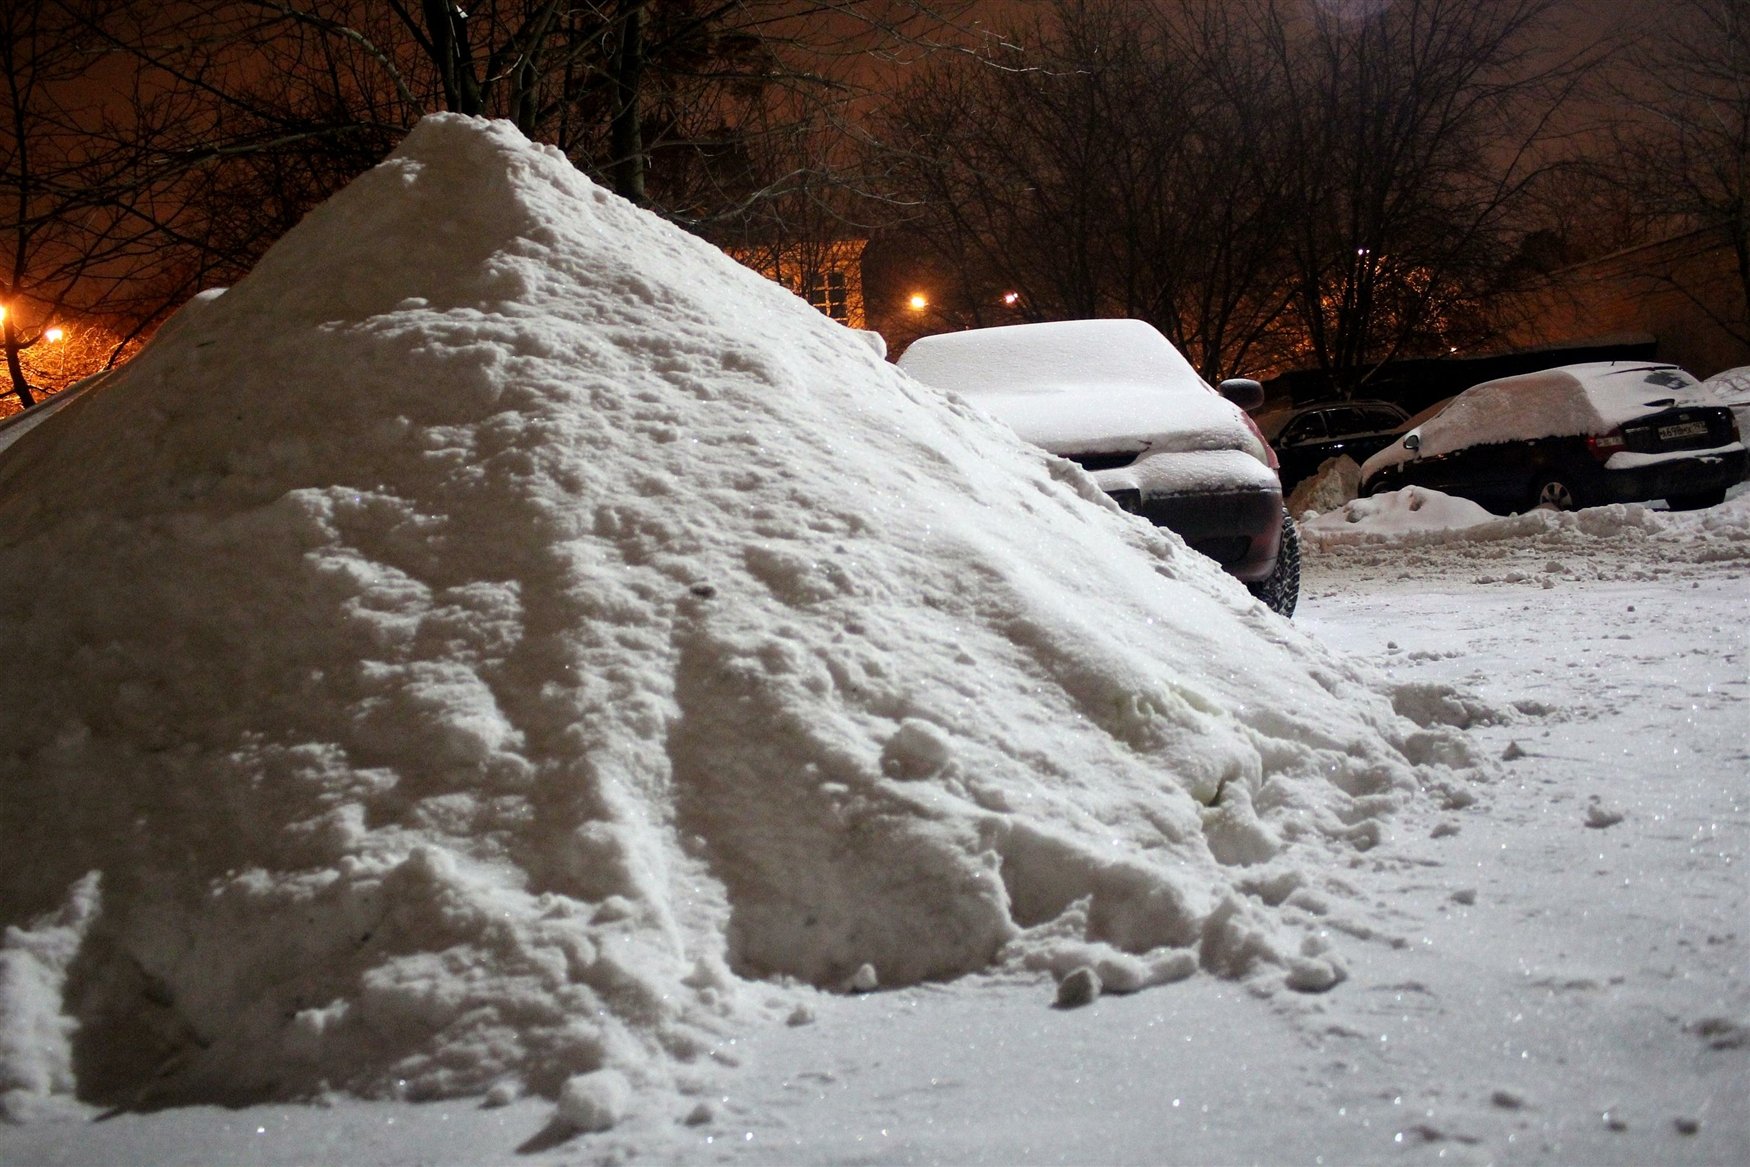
828	274
1684	290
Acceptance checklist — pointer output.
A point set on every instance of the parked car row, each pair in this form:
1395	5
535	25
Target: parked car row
1117	398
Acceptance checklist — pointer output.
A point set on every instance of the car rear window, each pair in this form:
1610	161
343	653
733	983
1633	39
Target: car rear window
1308	427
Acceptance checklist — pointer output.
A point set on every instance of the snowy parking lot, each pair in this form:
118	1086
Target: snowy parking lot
1559	972
1556	973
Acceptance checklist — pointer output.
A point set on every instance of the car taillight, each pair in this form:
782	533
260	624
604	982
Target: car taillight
1603	446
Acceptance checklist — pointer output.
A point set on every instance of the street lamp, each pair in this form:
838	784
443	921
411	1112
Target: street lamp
918	301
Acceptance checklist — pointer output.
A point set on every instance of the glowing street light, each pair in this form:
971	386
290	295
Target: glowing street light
1010	299
54	335
919	301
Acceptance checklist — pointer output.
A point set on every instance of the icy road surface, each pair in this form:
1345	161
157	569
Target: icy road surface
1555	974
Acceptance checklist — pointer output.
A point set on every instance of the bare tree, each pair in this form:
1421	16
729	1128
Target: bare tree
644	96
1104	159
85	198
1685	159
1265	181
1415	128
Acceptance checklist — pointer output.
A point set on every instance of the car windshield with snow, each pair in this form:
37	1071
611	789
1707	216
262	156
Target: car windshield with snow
1579	435
1117	398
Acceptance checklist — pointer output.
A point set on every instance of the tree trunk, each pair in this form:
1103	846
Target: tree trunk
447	26
20	387
626	132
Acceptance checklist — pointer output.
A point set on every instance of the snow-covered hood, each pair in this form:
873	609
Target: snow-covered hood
1084	386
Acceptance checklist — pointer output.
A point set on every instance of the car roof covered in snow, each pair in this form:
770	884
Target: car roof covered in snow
1054	357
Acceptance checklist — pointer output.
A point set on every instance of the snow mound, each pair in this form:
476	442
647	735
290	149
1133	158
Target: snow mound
1414	510
472	652
1418	517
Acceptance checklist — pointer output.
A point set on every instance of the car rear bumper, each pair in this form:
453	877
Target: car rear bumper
1679	476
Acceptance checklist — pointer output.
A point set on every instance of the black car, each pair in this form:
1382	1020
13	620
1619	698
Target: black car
1306	438
1579	435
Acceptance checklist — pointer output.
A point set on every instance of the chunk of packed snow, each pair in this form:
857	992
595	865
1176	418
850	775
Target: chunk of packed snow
469	649
596	1101
1336	482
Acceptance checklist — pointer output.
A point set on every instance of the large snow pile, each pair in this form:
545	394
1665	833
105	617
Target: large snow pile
470	652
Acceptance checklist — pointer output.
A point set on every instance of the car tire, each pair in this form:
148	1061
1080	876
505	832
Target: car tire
1280	590
1698	500
1554	492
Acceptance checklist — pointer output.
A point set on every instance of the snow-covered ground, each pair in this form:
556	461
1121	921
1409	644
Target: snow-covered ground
1559	972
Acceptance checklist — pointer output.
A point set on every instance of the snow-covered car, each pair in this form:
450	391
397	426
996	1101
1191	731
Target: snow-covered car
1117	398
1731	389
1306	438
1579	435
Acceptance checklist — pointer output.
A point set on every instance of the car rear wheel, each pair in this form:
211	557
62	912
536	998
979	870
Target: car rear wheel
1696	501
1280	590
1554	492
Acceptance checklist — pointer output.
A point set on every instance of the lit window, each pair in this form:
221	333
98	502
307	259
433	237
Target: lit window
827	292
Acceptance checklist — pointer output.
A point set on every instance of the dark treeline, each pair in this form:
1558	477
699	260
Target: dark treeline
1270	183
1273	183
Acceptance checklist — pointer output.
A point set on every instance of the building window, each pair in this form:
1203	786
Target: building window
828	292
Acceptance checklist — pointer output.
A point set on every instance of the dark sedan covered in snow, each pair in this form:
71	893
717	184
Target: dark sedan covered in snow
1579	435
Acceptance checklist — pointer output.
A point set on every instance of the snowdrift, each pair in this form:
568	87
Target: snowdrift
1419	517
1412	510
502	641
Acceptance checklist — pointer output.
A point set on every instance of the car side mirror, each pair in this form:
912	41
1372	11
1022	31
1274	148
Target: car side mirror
1413	442
1243	392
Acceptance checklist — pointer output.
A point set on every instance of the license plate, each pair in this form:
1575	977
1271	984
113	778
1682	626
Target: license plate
1685	429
